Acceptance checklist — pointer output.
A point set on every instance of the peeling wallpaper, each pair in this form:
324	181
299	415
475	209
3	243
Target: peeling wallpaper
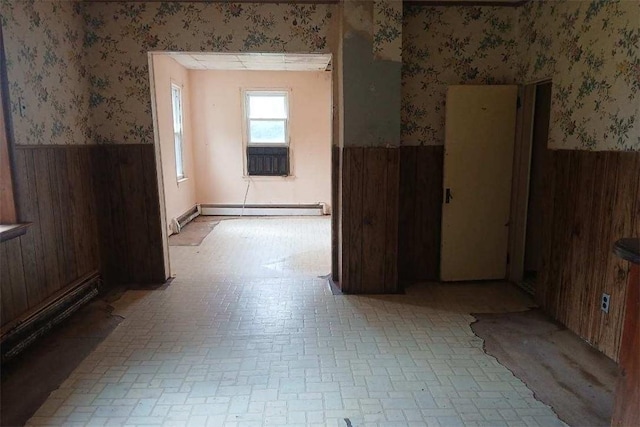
449	45
591	50
371	73
47	73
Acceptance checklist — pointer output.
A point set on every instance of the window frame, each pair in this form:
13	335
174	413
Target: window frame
247	116
10	227
178	137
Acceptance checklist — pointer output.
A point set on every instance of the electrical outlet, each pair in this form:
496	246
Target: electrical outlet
606	301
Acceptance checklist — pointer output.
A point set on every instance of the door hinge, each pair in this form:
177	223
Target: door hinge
518	103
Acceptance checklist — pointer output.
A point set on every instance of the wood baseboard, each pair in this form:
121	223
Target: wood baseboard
24	330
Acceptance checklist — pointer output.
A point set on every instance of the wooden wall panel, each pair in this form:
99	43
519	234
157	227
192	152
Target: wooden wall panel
370	180
335	209
128	214
420	212
55	193
592	199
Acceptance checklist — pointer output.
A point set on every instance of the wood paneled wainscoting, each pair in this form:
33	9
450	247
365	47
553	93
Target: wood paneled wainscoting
128	214
369	220
54	191
420	212
591	200
94	211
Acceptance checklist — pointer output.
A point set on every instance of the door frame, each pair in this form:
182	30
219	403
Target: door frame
336	97
520	187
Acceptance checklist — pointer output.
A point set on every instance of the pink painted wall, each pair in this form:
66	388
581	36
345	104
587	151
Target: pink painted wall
179	196
218	134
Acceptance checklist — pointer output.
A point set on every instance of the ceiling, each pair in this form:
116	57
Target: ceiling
254	61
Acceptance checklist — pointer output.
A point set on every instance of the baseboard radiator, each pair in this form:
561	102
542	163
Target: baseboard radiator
178	223
264	210
18	334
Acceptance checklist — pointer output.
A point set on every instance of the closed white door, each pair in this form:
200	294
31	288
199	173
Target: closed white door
478	162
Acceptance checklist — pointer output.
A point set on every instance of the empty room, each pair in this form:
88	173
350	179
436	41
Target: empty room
245	147
320	213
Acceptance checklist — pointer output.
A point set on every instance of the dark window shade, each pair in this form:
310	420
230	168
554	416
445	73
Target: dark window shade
268	161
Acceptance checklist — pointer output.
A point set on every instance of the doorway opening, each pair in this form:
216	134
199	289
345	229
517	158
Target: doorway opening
540	136
244	148
528	186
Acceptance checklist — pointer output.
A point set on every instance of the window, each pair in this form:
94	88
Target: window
176	101
267	118
7	202
9	226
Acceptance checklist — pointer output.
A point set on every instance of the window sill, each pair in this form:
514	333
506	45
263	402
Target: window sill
11	231
180	180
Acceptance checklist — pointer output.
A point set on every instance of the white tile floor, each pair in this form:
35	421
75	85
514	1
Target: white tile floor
247	335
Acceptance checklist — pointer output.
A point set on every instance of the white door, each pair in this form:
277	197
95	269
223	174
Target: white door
478	161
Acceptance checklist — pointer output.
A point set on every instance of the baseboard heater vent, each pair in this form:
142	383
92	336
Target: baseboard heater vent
188	216
263	210
18	334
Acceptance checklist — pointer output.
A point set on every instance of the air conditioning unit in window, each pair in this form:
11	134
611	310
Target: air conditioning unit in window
268	161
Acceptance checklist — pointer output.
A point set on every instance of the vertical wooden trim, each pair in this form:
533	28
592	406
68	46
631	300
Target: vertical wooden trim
355	200
159	272
345	222
391	221
406	211
8	213
543	285
335	212
520	187
374	202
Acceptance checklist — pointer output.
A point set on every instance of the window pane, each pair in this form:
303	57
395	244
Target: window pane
267	107
177	109
267	131
179	161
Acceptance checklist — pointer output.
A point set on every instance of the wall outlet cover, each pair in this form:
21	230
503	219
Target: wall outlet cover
605	302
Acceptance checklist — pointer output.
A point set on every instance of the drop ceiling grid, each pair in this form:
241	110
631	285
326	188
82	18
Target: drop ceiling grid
253	61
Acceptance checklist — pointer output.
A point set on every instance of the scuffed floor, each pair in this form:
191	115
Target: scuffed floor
248	335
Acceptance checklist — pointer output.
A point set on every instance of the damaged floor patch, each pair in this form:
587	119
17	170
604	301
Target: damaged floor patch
561	369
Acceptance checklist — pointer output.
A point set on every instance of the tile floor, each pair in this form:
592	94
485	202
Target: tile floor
248	335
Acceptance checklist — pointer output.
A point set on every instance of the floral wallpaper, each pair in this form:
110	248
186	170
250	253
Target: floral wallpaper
449	45
119	35
387	30
78	71
591	50
47	73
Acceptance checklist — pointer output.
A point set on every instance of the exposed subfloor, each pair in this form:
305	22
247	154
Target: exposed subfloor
564	371
248	334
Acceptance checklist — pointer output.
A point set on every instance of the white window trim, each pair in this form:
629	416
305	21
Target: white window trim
183	177
247	120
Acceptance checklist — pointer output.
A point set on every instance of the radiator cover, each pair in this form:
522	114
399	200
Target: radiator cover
268	161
